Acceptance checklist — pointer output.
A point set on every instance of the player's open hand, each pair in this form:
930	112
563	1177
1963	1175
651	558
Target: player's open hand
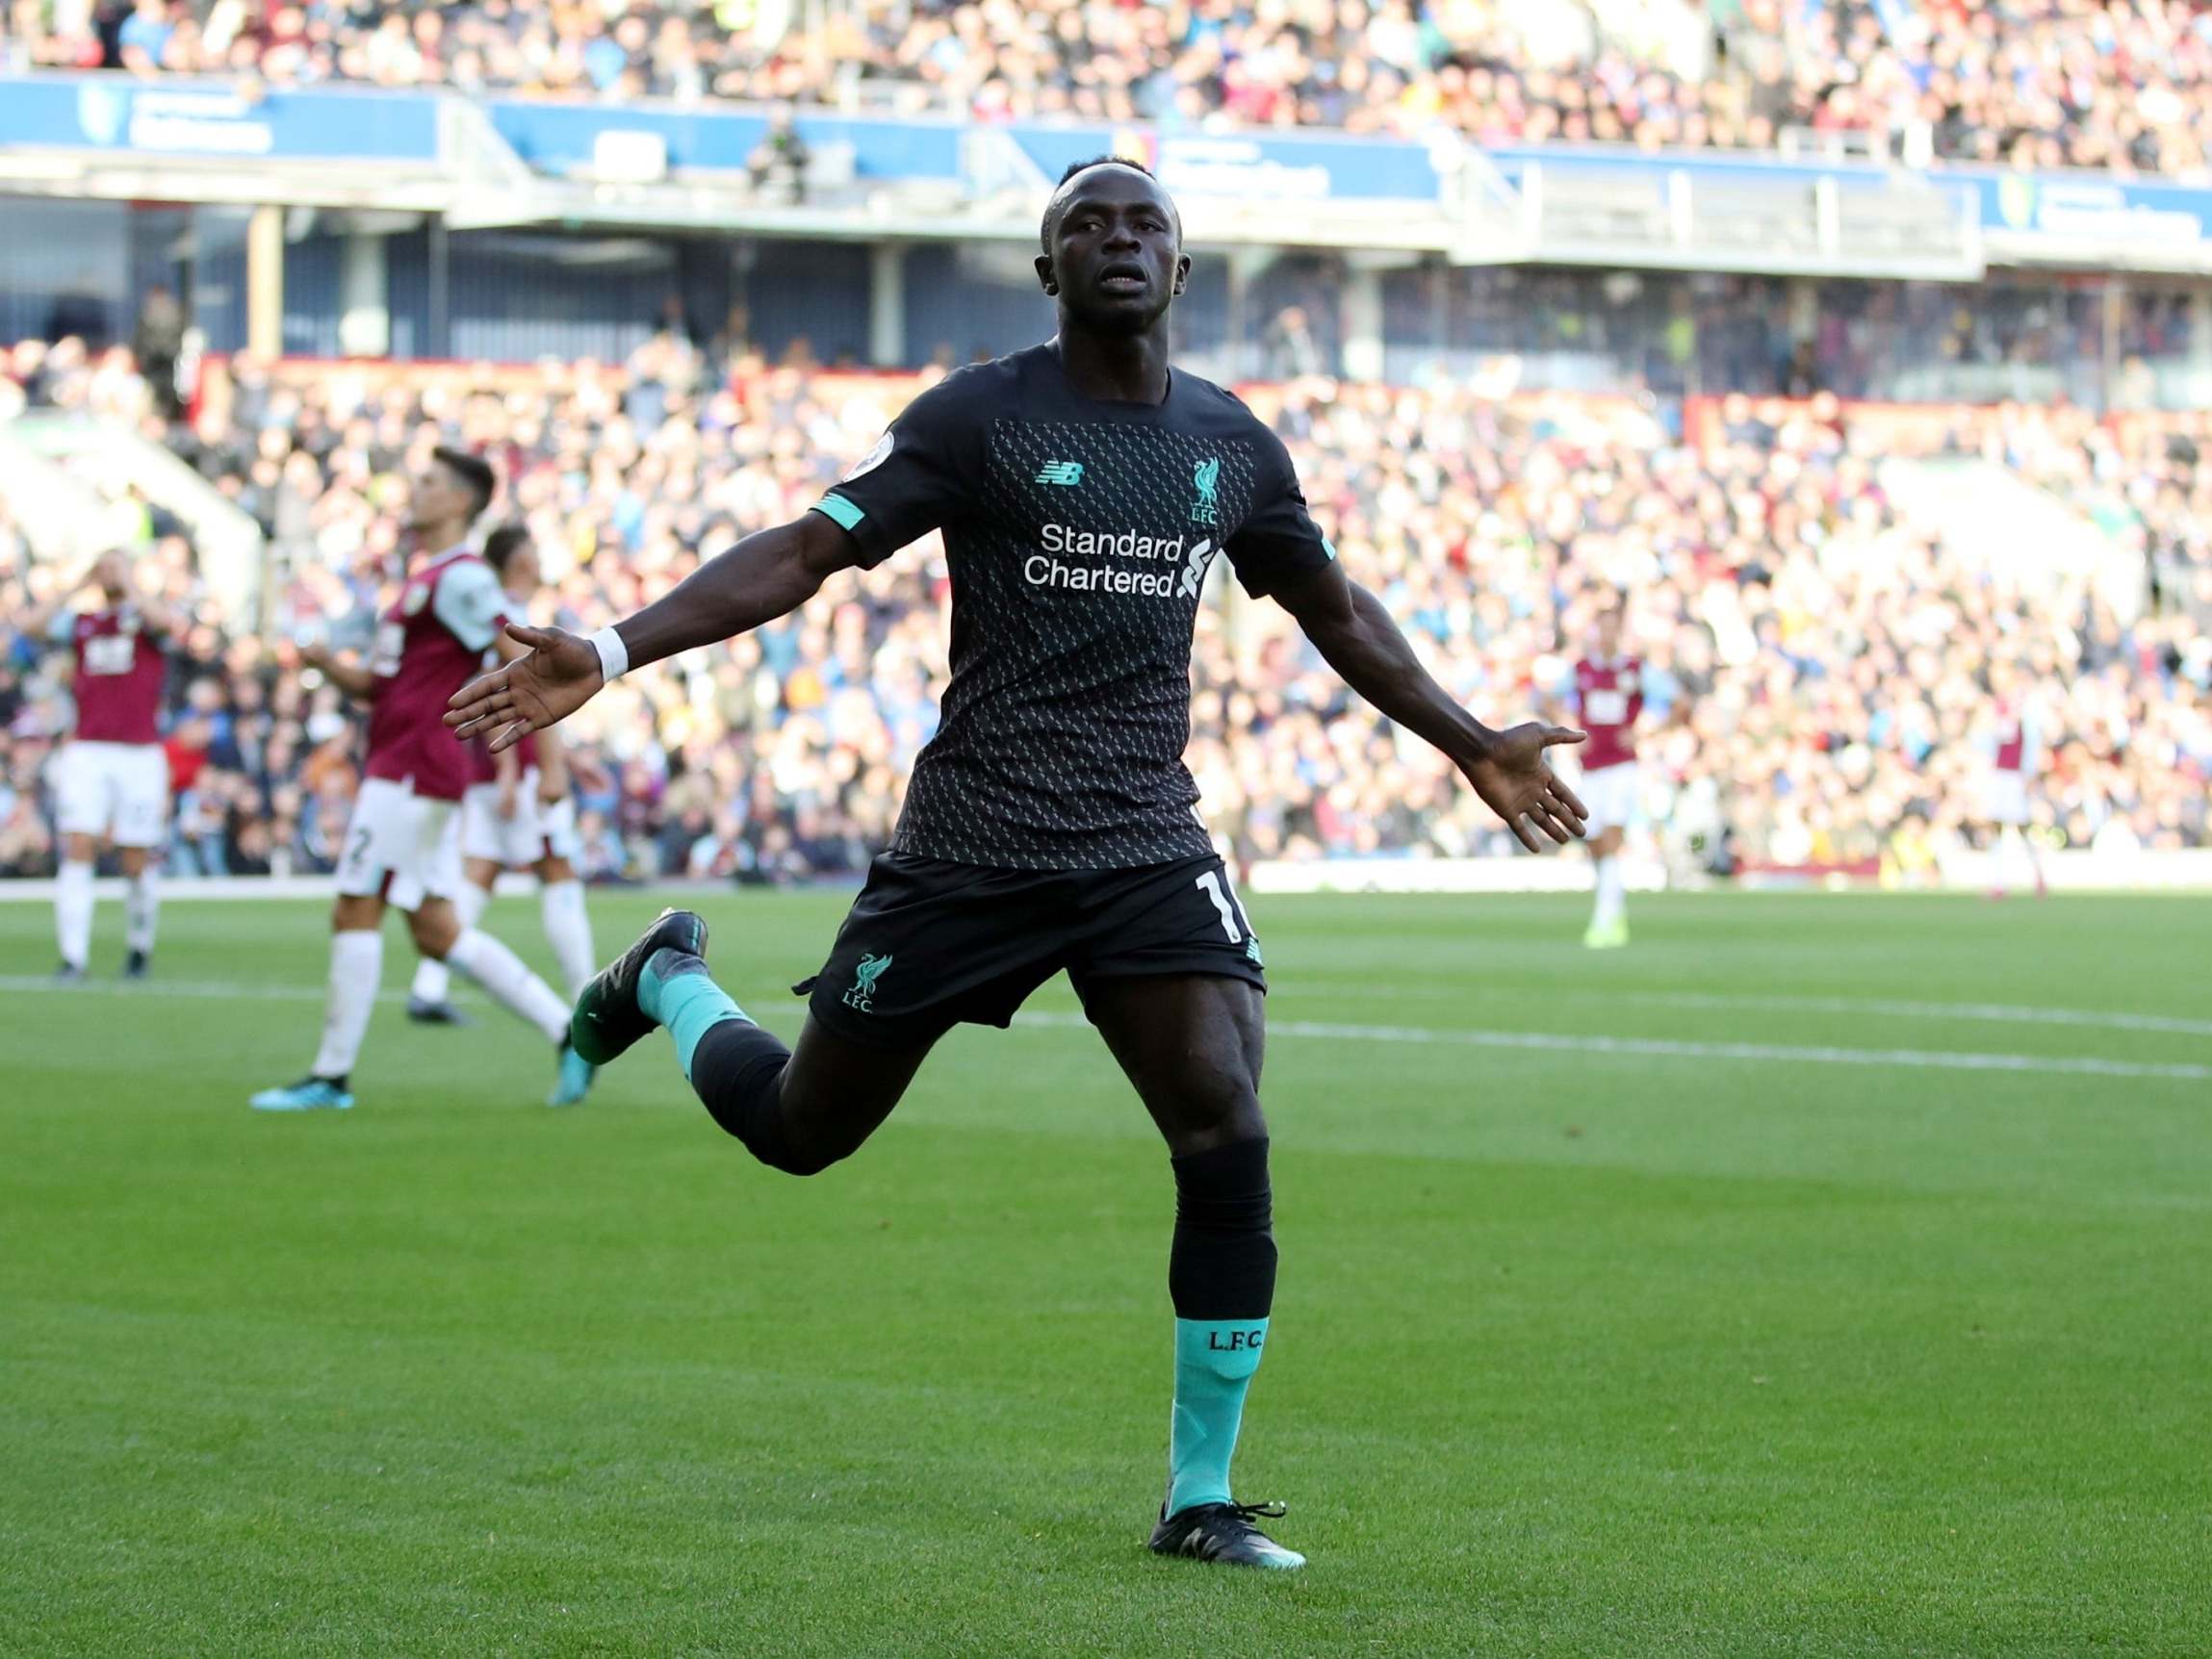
557	675
1517	783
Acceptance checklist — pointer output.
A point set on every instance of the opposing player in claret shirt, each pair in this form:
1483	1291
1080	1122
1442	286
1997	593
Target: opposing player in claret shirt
1608	701
112	779
402	843
516	815
1083	489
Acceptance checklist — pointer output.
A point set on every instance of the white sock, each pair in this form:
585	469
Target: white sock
508	981
433	980
142	910
73	912
568	930
356	970
1612	895
2015	854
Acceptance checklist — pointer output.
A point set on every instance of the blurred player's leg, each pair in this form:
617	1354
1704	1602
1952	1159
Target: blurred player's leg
1611	794
429	996
356	966
142	910
2018	855
142	826
1608	912
73	904
1193	1046
356	970
567	925
506	978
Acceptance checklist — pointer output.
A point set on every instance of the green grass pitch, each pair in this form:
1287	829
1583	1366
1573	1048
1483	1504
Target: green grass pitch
1697	1298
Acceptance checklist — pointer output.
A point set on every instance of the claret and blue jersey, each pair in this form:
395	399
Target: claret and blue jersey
1078	533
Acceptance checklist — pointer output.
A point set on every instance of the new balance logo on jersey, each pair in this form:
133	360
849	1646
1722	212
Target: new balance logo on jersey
870	970
1065	473
1195	567
1205	481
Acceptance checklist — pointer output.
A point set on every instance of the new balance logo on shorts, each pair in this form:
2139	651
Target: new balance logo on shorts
871	969
1060	473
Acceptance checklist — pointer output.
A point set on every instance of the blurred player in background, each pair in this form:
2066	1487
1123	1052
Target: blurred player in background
517	814
402	843
1609	701
112	779
2015	745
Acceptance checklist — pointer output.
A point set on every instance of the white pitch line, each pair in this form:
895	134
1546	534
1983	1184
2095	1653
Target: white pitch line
1662	1048
1549	1042
2003	1013
209	989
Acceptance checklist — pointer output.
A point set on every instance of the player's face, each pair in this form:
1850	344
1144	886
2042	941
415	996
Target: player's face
523	576
436	495
1609	631
1117	260
111	575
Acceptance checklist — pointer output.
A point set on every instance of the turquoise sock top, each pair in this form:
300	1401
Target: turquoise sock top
1214	1359
682	997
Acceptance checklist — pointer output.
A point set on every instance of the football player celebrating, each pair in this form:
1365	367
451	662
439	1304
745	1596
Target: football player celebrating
1084	488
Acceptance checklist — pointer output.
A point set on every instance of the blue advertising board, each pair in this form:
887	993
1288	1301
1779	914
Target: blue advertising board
558	138
214	118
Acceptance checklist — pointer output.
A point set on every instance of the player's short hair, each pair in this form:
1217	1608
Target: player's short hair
1054	208
473	470
501	543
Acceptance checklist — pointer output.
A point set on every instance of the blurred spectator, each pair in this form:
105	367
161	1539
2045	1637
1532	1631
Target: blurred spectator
779	159
1821	663
2031	83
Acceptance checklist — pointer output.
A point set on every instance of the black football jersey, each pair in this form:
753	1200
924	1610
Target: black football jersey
1078	535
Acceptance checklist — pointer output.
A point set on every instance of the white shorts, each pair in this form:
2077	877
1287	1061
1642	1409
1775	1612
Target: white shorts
537	831
2005	798
1609	793
400	844
118	790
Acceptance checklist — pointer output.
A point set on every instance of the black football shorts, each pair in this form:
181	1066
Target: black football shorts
929	945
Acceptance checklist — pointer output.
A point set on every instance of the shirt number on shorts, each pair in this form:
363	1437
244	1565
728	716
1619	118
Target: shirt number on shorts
1225	903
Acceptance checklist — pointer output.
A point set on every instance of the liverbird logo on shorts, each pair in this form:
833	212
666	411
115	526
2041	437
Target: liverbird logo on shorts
1205	481
864	978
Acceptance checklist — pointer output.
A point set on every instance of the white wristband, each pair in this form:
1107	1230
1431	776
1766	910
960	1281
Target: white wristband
613	654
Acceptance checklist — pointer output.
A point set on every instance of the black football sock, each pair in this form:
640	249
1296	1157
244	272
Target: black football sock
1221	1277
738	1072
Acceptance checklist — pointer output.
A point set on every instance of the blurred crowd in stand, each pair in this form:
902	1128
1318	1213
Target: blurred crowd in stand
2125	85
1829	657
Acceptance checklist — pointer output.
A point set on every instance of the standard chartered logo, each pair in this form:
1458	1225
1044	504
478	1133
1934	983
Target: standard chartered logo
1160	565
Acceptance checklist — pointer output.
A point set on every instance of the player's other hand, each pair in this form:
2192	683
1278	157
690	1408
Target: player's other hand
557	675
1516	782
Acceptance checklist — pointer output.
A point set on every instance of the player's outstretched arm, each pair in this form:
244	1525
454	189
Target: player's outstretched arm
348	675
768	574
1355	634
